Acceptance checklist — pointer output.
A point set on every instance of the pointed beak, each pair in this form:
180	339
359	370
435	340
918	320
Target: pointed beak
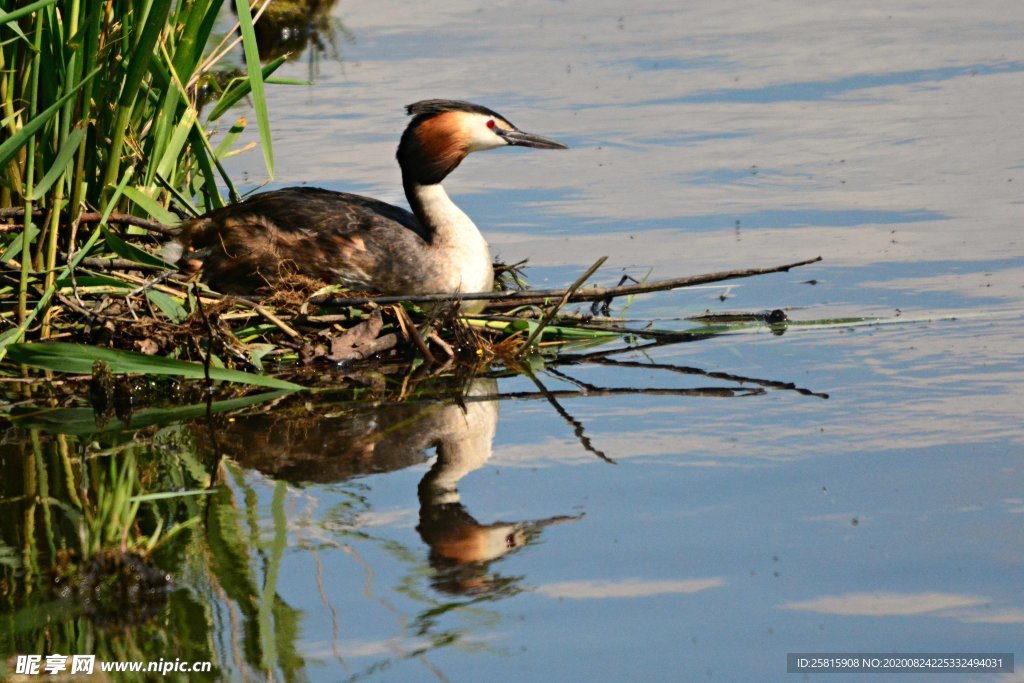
521	139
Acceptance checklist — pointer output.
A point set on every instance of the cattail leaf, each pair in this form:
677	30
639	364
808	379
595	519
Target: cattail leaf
239	88
78	359
14	143
130	251
252	65
168	305
150	205
7	16
60	163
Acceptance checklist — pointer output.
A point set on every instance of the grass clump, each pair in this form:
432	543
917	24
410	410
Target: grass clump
100	107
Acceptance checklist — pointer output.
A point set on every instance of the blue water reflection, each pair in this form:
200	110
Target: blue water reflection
630	520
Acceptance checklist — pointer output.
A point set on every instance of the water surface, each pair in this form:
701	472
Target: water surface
676	534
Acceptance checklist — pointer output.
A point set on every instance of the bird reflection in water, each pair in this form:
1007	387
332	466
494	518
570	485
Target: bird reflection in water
378	438
288	28
461	548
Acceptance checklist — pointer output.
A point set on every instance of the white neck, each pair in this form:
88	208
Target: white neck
465	438
463	255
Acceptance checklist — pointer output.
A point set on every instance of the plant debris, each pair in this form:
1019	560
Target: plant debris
115	588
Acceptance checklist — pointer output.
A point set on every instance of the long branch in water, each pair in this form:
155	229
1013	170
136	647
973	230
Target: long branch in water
542	296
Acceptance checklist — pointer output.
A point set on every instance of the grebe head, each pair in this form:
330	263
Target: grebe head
443	132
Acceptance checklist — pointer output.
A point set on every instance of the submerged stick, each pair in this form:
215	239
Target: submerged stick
541	296
685	370
208	356
577	426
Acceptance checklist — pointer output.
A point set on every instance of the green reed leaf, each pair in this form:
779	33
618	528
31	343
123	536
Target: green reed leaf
78	359
252	65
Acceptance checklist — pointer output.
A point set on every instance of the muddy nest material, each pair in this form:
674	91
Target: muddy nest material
114	588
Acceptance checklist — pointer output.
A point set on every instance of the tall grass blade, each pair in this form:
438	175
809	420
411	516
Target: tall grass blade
10	336
130	251
252	65
11	145
60	163
207	160
239	89
172	153
150	206
182	200
138	63
227	141
7	16
14	248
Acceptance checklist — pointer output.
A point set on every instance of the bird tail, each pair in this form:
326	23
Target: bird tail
173	251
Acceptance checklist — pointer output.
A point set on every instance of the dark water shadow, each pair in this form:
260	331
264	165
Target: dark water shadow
300	28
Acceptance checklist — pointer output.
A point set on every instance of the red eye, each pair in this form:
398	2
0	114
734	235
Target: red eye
490	124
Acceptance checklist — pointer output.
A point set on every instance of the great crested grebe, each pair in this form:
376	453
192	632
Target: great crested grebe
356	241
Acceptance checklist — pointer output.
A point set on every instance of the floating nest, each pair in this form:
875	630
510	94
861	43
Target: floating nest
112	301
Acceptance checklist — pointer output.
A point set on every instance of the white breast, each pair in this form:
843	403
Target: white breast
458	246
